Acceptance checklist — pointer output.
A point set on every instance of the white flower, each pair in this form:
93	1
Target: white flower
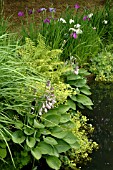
94	28
62	20
90	15
45	110
77	26
78	31
71	21
105	21
72	29
76	71
48	106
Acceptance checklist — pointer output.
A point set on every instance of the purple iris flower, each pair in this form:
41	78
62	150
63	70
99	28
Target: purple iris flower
41	10
52	10
20	14
77	6
74	35
85	17
47	20
30	11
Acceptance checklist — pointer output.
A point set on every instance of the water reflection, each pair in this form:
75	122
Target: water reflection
102	120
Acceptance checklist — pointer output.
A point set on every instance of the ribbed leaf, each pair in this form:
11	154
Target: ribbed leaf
85	90
71	104
65	118
51	120
63	108
53	162
50	141
3	152
78	82
83	99
18	137
36	153
70	138
30	141
37	124
58	132
45	148
62	146
28	130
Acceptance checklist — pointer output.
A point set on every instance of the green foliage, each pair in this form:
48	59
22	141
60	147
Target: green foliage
34	77
46	62
79	82
80	154
102	67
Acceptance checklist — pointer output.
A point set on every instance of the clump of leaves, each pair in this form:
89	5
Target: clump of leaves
102	67
74	157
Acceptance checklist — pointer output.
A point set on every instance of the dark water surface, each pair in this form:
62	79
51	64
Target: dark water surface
102	119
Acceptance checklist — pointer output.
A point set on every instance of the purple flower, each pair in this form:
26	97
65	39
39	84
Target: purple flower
52	10
85	17
77	6
30	11
20	13
47	20
41	10
74	35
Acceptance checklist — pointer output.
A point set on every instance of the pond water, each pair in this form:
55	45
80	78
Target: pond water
102	119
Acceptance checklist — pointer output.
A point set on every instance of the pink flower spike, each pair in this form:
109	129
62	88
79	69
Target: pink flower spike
77	6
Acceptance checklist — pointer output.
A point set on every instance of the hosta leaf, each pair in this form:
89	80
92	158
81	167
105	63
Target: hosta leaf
63	108
85	90
51	120
65	118
73	77
18	125
2	144
18	137
62	146
83	72
36	153
80	105
76	145
68	125
53	162
3	152
30	141
28	130
73	97
89	107
45	131
84	99
78	82
58	132
71	104
37	134
45	148
70	138
50	141
37	124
